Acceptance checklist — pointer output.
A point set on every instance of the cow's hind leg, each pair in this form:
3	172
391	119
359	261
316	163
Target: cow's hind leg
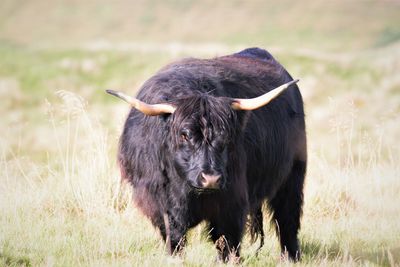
256	226
260	230
287	208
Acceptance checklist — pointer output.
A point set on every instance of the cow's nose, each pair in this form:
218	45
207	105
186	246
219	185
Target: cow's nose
210	181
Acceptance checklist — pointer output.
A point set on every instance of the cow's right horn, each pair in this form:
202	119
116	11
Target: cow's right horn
147	109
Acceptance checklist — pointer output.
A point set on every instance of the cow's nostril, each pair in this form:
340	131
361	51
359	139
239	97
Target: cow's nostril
203	180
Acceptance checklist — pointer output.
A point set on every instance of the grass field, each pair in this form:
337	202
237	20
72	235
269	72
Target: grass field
61	200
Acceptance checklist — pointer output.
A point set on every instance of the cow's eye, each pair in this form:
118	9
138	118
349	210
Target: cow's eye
185	137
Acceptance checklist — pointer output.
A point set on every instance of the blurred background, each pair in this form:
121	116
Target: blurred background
61	200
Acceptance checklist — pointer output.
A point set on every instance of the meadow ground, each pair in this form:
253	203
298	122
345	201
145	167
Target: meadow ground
61	200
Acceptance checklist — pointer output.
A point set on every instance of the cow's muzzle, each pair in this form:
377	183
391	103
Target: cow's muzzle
208	181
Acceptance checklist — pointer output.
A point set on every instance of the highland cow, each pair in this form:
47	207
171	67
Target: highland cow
213	140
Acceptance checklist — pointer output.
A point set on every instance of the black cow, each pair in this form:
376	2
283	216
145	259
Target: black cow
208	139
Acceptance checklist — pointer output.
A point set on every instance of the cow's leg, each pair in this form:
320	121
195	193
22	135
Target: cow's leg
227	233
256	224
259	227
172	229
287	208
173	234
226	242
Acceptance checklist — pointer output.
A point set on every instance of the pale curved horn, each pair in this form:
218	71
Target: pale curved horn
257	102
147	109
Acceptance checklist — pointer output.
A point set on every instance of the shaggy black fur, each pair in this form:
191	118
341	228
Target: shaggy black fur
260	155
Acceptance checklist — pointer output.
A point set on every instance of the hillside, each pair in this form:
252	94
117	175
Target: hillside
337	25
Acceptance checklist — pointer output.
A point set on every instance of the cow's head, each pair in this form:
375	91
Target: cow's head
202	128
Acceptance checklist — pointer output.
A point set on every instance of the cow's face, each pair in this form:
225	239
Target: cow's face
203	127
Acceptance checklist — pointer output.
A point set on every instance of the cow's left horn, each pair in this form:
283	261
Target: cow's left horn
257	102
148	109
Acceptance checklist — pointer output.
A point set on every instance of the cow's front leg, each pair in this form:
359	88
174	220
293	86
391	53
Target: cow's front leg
227	234
174	234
